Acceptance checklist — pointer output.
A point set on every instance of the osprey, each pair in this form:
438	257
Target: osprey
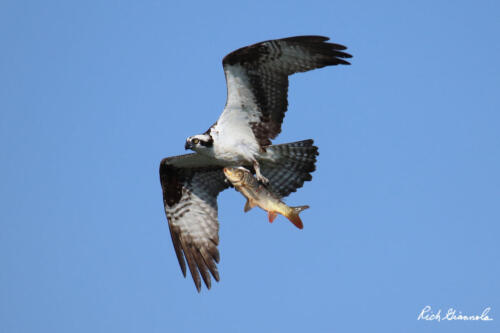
257	87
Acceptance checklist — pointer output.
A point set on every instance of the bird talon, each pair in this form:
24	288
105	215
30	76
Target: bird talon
263	179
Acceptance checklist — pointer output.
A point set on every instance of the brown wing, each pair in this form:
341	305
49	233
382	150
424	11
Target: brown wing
190	193
257	79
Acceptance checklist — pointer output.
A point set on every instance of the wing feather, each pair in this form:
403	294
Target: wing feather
190	189
257	79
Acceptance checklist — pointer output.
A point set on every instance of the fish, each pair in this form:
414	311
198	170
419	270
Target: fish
257	194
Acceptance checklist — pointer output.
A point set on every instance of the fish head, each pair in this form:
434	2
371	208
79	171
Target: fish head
235	175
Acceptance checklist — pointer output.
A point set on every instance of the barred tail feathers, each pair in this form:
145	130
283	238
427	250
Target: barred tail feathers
291	165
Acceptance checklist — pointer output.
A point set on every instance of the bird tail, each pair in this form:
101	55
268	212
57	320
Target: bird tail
289	165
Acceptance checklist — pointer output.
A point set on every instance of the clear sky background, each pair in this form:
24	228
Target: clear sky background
405	202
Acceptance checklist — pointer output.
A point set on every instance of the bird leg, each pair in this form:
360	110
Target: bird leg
260	177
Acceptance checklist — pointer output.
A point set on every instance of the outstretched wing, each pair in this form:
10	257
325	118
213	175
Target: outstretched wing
190	185
257	80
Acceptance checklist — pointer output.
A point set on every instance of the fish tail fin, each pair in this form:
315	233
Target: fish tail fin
294	216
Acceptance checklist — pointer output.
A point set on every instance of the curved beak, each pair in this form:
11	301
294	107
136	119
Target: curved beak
188	145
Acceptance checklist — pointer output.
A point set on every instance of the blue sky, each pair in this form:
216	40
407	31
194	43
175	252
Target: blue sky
405	202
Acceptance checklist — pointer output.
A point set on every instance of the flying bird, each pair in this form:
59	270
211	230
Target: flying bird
257	89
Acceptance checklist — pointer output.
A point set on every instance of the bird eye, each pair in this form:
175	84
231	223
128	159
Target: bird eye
195	141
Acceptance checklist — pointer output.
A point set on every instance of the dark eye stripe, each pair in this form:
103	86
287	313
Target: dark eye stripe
208	143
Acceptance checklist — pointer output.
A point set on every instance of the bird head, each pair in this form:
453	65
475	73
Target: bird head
199	142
